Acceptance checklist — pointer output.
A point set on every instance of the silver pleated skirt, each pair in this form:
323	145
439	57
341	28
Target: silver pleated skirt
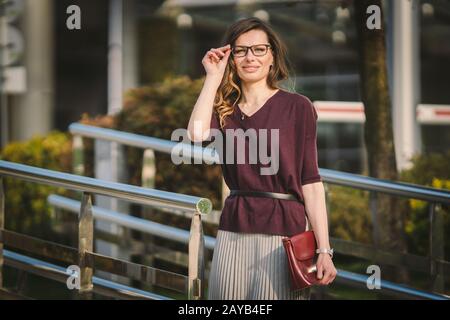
248	266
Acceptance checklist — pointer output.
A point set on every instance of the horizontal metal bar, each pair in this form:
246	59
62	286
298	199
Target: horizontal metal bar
40	247
402	189
146	196
410	261
387	287
149	227
190	151
69	255
149	275
58	273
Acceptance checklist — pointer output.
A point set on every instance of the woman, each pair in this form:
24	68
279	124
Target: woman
249	261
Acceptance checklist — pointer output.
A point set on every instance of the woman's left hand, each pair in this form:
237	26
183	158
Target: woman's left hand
326	271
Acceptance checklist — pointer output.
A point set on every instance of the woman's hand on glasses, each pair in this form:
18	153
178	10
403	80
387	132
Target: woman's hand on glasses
215	61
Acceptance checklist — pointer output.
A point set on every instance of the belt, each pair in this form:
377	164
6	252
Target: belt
266	194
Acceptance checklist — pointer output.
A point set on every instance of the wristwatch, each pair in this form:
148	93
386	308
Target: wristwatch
329	251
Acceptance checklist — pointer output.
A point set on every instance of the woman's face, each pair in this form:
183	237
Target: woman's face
252	68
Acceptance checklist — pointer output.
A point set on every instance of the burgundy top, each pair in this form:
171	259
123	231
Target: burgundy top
295	117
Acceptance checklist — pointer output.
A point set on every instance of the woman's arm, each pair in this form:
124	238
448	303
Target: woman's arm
201	114
314	194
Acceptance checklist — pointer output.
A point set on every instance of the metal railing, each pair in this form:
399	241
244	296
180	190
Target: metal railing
181	236
58	273
84	257
125	220
434	264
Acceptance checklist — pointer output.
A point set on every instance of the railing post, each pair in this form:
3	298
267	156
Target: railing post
2	226
78	155
196	272
436	248
148	169
148	175
85	244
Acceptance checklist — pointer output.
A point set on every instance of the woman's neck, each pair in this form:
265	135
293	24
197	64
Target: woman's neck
255	94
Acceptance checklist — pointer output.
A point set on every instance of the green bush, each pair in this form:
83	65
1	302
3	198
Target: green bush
349	214
26	208
428	170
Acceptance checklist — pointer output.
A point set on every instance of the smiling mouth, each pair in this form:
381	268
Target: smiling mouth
250	68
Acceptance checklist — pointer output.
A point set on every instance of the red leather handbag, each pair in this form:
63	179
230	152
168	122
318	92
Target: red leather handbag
302	257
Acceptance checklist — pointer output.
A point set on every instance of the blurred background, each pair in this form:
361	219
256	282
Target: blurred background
135	66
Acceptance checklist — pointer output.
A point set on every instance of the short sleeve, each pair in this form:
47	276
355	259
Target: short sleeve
310	169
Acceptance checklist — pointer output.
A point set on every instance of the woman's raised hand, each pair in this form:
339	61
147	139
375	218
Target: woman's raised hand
215	61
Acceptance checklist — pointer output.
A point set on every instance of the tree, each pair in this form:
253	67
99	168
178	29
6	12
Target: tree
378	131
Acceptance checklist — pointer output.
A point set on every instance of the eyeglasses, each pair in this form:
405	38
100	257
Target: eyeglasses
258	50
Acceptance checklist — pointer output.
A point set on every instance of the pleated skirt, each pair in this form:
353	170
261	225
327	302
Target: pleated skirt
248	266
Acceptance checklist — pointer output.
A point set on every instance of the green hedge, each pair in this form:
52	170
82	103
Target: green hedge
349	214
26	205
428	170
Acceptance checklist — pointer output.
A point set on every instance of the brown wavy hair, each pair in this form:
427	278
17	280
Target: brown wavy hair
229	91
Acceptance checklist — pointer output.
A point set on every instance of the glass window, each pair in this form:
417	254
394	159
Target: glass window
435	51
